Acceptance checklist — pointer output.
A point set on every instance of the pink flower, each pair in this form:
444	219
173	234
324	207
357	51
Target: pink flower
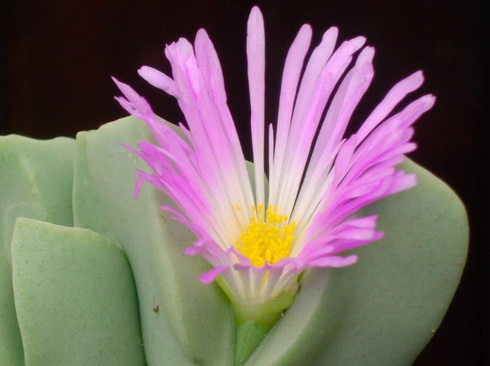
259	230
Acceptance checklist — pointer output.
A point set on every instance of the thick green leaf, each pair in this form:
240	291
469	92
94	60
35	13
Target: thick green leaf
36	182
183	321
75	297
87	208
11	352
384	309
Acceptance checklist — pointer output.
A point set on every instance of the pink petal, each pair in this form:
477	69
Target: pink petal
256	80
211	275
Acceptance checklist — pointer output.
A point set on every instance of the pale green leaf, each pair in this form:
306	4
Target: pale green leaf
75	297
11	352
36	182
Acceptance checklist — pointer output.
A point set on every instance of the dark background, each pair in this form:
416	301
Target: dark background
56	59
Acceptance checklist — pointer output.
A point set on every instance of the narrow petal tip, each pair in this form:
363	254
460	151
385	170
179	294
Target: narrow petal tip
307	29
256	18
419	75
201	33
413	81
211	275
255	12
358	41
432	99
332	32
429	100
158	79
118	83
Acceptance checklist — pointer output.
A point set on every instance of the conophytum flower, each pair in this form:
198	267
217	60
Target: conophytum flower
260	231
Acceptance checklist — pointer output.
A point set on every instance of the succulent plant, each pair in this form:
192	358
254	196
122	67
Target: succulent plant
91	276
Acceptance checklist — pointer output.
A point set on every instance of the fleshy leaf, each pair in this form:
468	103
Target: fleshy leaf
36	182
87	208
183	321
75	297
384	309
11	352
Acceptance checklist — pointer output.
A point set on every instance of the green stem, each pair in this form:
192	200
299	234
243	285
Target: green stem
249	336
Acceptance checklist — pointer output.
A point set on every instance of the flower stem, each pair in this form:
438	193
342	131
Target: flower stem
249	336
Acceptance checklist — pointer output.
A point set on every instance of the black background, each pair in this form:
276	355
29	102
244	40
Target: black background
57	58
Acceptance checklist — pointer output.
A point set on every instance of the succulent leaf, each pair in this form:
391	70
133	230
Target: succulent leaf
36	182
11	352
75	297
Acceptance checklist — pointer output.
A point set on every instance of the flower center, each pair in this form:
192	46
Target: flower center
268	238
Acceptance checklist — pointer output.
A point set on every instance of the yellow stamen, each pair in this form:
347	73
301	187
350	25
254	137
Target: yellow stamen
266	239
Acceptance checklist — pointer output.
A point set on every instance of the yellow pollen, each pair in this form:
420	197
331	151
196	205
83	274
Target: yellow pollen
268	238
